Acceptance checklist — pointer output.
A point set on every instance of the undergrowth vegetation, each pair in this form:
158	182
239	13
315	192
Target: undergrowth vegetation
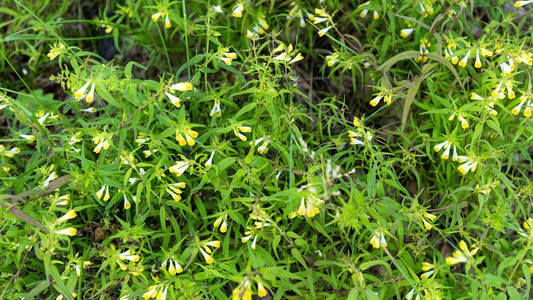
277	149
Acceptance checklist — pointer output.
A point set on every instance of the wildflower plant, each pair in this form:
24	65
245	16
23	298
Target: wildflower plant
334	149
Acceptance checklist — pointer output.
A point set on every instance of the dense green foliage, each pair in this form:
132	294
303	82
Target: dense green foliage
288	149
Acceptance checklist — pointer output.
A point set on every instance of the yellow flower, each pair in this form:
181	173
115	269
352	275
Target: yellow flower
376	99
297	58
427	225
332	59
375	15
522	3
464	123
261	291
101	142
527	111
100	193
221	221
516	110
90	95
57	49
427	266
156	16
71	214
478	61
238	129
319	20
182	86
462	255
9	153
264	146
363	13
129	255
409	296
279	48
67	231
215	244
243	291
158	292
263	23
528	225
81	92
310	203
463	62
173	266
127	204
506	68
429	216
378	240
470	165
175	190
208	258
486	53
224	227
475	96
446	144
63	200
283	57
167	22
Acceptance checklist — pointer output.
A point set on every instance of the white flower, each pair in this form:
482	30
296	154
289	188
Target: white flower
406	32
182	86
51	177
175	100
324	31
209	162
237	11
179	168
216	109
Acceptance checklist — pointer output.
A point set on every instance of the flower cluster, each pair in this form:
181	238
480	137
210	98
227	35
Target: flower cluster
9	153
206	251
175	191
244	290
264	141
55	50
384	94
365	8
173	266
361	135
310	203
162	13
180	167
102	142
185	135
80	93
286	56
221	222
237	129
461	255
158	292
